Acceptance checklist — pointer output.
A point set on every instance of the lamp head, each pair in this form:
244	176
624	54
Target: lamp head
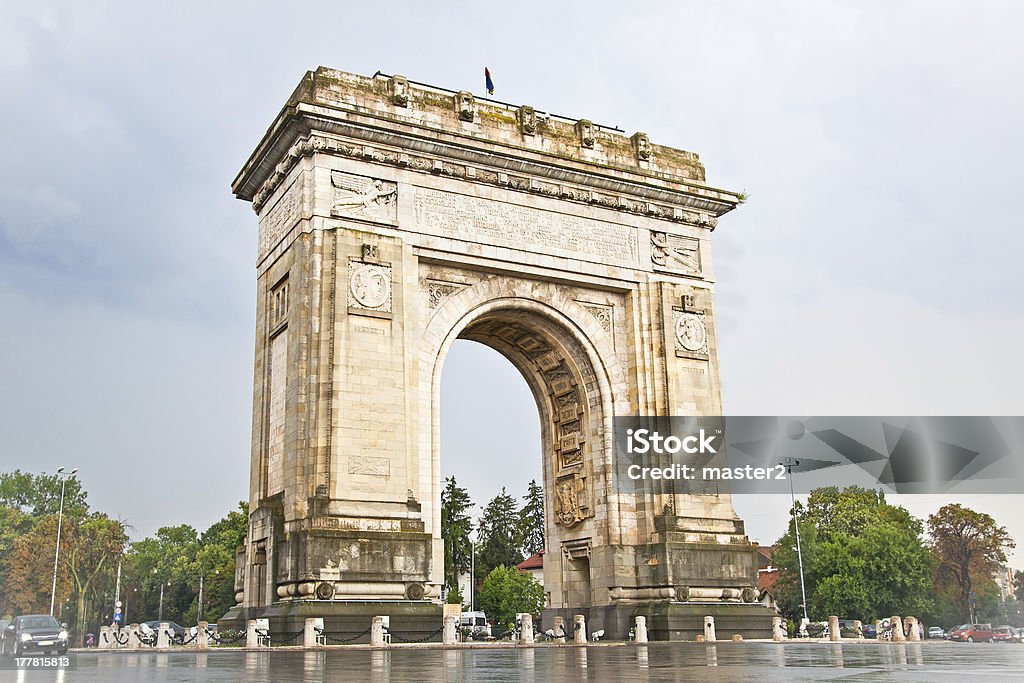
59	470
74	471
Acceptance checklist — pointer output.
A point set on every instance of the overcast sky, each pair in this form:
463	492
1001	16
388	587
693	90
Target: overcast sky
875	269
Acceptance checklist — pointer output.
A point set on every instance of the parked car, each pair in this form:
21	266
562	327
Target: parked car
177	632
970	633
870	631
936	633
34	633
1006	634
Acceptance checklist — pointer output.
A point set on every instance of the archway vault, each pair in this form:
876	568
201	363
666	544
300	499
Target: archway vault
394	219
547	338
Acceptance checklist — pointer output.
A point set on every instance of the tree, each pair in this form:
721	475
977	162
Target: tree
531	519
166	561
455	528
863	558
215	562
13	524
28	569
507	592
968	546
499	542
38	495
95	544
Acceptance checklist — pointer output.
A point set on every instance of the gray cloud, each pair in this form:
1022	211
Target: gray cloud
874	269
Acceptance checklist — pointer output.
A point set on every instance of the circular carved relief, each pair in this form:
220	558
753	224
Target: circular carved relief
324	590
691	333
370	286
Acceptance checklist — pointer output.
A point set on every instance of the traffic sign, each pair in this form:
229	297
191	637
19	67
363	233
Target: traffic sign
117	610
117	618
117	604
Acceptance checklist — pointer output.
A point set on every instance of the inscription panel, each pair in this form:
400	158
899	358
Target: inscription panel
280	218
521	227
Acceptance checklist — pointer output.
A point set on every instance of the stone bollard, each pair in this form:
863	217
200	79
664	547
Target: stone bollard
912	632
163	636
448	633
709	630
377	632
558	626
897	629
253	628
833	629
133	637
105	641
858	629
310	635
579	629
202	641
526	629
778	632
641	630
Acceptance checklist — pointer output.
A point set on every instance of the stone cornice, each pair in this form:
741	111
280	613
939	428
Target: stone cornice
304	130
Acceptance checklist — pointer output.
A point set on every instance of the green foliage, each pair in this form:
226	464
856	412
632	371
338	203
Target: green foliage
531	519
507	592
177	557
455	528
499	542
863	558
38	495
454	596
968	547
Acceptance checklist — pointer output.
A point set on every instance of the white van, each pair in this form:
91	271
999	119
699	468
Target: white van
477	624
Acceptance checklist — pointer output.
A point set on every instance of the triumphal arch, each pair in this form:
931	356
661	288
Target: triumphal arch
395	218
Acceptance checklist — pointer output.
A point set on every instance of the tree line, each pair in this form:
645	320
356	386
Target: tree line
92	547
866	559
507	532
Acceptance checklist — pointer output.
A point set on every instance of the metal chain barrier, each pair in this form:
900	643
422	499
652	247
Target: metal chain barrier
227	639
190	640
342	641
416	640
290	639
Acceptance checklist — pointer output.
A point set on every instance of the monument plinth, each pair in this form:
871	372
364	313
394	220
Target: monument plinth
395	218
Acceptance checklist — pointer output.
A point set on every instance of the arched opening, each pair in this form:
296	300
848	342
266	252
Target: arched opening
490	442
570	398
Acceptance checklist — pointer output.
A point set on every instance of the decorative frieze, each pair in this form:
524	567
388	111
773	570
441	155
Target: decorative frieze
523	183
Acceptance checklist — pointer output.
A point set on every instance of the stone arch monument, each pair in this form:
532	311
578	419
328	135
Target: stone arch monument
396	217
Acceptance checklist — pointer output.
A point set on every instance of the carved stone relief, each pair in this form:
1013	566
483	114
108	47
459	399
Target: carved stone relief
438	291
567	500
369	286
642	145
527	119
675	253
366	198
601	313
585	129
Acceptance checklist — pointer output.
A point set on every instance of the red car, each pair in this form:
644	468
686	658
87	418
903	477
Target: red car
1005	634
969	633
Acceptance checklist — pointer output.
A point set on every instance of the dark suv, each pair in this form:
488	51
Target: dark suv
34	633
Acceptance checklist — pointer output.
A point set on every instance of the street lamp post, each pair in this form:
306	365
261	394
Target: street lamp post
60	519
472	575
789	464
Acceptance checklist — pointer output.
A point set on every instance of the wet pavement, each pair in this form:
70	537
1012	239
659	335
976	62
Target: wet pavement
654	662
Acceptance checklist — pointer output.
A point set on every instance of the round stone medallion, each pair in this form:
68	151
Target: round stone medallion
370	286
691	333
